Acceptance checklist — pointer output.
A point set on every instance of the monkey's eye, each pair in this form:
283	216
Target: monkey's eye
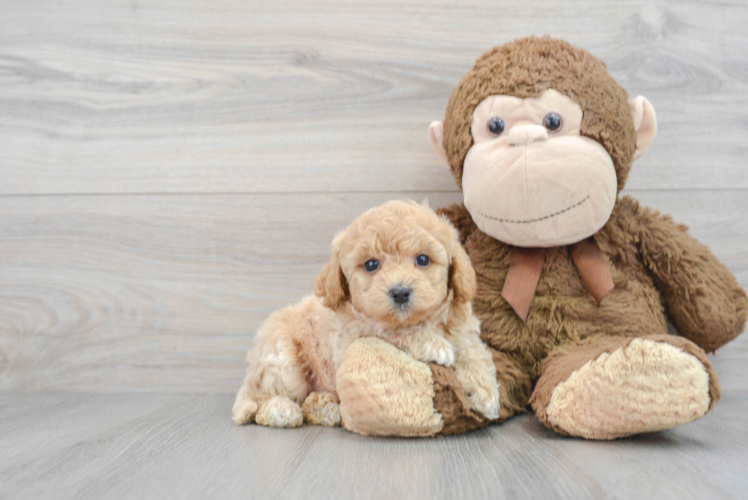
423	261
553	121
371	265
495	126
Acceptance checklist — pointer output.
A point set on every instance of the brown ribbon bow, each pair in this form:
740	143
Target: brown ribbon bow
527	263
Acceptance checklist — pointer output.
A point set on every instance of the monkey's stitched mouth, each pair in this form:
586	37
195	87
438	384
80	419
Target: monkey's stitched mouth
528	221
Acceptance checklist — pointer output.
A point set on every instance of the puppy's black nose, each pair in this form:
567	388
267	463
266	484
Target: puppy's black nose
400	294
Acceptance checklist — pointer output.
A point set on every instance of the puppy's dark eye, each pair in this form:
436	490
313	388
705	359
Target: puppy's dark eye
553	121
371	265
495	126
423	261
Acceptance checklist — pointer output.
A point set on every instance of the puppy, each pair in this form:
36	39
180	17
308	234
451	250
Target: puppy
397	272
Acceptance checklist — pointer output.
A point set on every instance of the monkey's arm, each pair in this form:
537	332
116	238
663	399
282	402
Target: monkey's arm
703	299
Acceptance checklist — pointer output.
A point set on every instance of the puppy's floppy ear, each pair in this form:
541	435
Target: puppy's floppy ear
462	278
331	284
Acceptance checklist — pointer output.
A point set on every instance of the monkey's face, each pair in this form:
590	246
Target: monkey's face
530	179
541	169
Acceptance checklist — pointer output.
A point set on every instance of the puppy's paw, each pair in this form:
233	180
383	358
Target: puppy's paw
437	350
321	409
244	410
481	388
485	401
279	411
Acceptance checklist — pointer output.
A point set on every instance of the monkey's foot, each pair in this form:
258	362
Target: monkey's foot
640	385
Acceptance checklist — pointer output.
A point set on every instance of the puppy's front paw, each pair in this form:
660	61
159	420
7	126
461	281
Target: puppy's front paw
279	411
437	350
485	402
481	389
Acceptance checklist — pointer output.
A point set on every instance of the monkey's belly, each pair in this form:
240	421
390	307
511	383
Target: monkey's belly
564	311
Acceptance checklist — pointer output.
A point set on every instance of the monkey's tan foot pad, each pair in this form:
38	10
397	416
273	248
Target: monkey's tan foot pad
321	408
384	391
644	386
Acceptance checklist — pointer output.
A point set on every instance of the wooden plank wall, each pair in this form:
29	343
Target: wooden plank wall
171	172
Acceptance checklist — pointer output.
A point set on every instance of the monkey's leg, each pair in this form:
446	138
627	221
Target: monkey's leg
451	400
384	391
515	385
611	387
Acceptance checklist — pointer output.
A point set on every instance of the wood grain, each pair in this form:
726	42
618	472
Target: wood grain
185	446
166	97
171	172
165	292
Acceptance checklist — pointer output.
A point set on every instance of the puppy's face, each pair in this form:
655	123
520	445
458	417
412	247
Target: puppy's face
396	263
396	276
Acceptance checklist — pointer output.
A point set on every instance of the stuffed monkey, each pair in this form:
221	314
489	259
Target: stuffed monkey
574	281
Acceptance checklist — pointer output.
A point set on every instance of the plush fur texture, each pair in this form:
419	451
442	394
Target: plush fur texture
527	67
400	392
559	359
299	348
614	387
657	268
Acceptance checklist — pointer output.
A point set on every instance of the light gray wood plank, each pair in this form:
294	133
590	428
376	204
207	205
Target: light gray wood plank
327	102
165	292
708	463
167	96
118	293
185	446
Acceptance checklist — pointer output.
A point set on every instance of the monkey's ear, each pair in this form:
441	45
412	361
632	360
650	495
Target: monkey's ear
331	284
645	124
436	136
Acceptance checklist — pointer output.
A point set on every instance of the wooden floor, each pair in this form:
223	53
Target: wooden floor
171	172
183	446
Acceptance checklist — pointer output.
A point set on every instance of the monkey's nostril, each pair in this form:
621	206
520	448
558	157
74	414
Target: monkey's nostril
400	294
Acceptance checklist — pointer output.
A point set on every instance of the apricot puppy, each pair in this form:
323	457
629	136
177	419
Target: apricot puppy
397	272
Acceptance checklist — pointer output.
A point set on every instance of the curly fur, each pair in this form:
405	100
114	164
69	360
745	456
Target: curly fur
299	348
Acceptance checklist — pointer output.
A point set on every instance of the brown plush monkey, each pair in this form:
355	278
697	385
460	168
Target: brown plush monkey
574	282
